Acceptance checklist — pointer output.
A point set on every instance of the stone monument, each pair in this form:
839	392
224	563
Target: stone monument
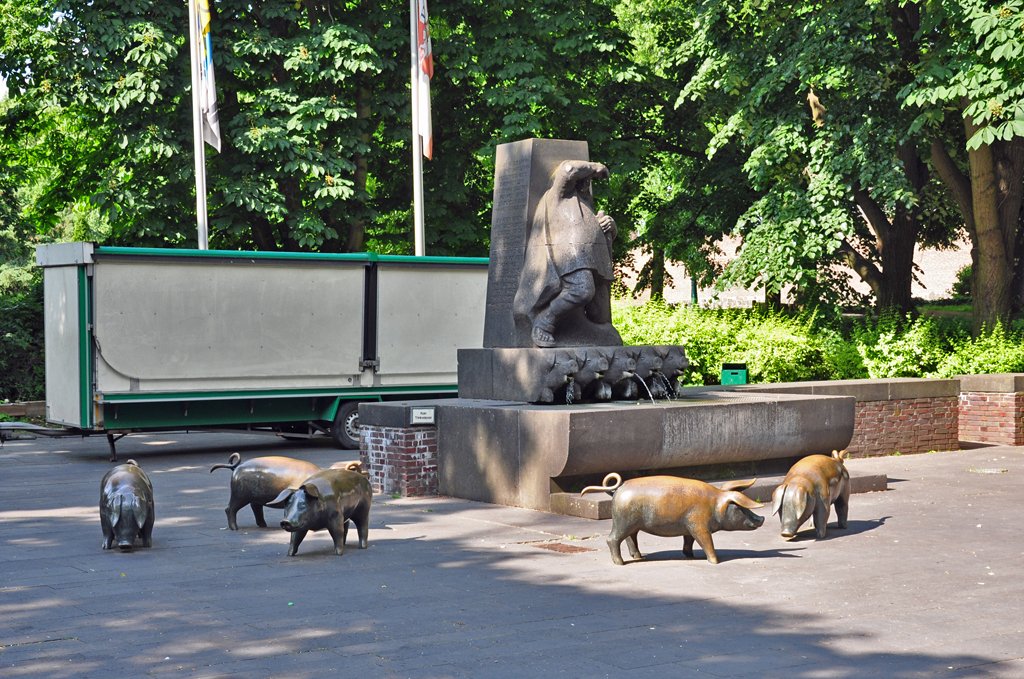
548	333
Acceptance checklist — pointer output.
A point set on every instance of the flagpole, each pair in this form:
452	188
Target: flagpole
197	131
417	144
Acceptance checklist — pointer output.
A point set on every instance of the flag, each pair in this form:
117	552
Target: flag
424	72
207	86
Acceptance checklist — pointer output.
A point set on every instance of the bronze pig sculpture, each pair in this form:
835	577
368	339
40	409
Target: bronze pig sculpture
327	499
668	506
126	507
811	487
665	384
258	481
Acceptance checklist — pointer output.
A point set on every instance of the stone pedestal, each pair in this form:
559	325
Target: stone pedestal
519	454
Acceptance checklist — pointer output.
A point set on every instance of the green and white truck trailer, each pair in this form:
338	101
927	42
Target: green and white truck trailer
148	339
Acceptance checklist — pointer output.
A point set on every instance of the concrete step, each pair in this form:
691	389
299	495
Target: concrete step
599	505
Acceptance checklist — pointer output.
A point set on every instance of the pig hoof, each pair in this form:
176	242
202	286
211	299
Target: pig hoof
788	536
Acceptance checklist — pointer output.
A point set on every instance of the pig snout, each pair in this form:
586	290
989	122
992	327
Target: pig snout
287	525
790	525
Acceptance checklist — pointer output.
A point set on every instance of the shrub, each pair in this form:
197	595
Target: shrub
997	351
22	376
776	346
898	346
961	289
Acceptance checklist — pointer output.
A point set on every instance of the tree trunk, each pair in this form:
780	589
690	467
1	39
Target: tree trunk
657	274
895	241
357	226
994	240
897	257
896	250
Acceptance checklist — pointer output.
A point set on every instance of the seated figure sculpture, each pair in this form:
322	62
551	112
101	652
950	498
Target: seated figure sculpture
565	286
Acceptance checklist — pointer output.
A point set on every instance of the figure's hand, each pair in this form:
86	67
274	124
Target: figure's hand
606	222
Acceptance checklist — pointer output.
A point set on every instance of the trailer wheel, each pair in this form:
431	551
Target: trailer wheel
345	429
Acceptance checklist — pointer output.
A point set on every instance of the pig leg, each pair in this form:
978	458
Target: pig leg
257	512
634	546
293	545
821	511
703	538
108	532
361	520
232	511
147	533
843	507
338	535
615	547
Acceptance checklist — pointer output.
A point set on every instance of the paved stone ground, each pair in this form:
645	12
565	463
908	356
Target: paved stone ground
925	582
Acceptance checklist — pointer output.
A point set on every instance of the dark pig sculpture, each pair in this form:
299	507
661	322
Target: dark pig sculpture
668	506
327	499
257	481
126	507
673	365
811	487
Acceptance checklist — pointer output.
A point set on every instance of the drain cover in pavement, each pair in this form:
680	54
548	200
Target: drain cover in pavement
562	548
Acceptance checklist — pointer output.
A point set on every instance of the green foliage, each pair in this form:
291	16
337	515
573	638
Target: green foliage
962	286
784	347
21	336
976	65
999	350
900	346
777	347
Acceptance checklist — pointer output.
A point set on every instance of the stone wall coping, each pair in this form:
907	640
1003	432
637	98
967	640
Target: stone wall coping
866	390
1000	383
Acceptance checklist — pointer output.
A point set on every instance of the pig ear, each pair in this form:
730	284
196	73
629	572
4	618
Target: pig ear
141	514
114	513
311	490
738	484
840	454
777	496
742	500
282	499
799	496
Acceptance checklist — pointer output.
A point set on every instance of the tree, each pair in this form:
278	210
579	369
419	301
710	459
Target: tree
314	110
809	92
678	200
969	96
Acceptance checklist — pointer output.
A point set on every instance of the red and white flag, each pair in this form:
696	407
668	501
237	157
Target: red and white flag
424	72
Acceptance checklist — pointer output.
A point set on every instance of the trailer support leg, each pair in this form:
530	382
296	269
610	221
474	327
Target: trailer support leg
111	439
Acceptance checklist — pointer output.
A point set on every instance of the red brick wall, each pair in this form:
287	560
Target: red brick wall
401	460
991	417
913	425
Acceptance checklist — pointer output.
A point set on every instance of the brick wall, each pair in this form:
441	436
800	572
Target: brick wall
905	425
401	460
992	417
